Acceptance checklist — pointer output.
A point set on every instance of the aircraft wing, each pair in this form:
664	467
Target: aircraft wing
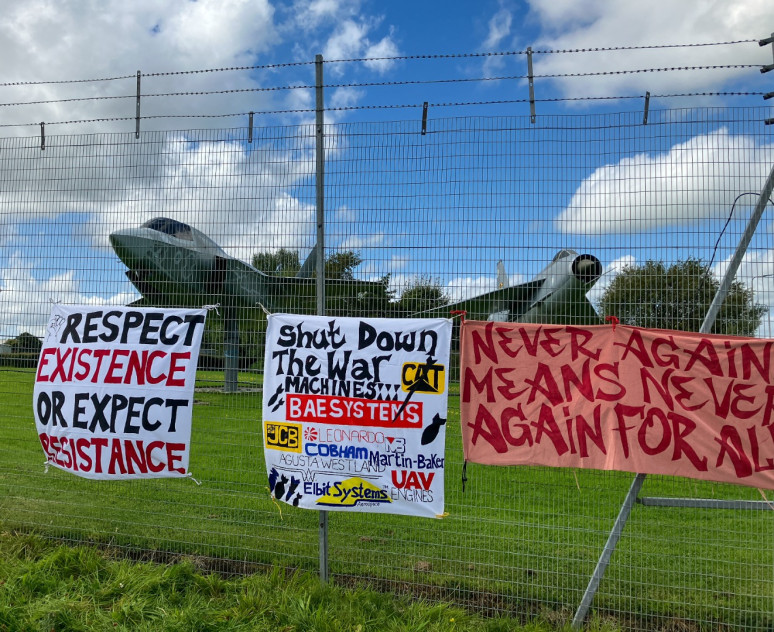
521	303
343	297
505	304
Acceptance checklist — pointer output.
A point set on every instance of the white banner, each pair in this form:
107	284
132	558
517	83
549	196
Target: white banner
114	390
354	413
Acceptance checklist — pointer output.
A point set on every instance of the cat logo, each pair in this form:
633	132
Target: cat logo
283	436
423	377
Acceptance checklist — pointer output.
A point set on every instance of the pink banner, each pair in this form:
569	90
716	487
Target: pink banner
619	398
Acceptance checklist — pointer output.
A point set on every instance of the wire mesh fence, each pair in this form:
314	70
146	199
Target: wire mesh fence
415	220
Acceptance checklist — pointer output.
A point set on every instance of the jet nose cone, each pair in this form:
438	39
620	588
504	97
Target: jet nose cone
126	244
586	268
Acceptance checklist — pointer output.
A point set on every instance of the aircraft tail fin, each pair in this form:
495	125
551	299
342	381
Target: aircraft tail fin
309	268
502	275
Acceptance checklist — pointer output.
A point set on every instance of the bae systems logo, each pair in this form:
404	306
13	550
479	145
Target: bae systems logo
283	436
353	491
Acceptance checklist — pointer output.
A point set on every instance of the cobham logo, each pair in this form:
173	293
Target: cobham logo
283	436
419	377
353	491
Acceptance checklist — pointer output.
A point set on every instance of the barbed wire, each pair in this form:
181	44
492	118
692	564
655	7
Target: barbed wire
539	51
9	84
436	56
371	84
395	106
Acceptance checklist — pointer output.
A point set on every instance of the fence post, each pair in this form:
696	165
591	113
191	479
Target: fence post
320	203
706	326
741	249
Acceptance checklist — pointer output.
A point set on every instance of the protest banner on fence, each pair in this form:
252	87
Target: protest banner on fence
114	387
619	398
354	413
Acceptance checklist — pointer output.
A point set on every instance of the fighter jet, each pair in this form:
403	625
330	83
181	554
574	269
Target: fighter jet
556	295
173	264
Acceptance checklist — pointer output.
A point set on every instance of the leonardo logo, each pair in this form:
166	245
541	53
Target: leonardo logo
283	436
419	377
353	491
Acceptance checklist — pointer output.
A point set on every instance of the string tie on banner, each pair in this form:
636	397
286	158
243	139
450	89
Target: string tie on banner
45	467
263	307
274	500
189	475
212	308
613	320
464	475
459	312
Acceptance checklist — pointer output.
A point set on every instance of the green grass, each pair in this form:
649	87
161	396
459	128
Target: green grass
68	589
519	541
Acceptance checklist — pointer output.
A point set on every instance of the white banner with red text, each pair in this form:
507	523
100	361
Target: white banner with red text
114	388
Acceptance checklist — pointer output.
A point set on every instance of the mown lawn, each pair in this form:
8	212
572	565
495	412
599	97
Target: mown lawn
520	542
46	587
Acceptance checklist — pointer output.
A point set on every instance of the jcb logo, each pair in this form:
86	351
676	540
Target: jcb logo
419	377
281	436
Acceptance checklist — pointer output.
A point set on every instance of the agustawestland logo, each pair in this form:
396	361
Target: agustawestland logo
423	377
353	491
283	436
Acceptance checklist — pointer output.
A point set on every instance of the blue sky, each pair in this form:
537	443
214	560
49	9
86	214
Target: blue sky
47	245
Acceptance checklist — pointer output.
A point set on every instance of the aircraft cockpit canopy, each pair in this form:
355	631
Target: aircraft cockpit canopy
562	254
170	227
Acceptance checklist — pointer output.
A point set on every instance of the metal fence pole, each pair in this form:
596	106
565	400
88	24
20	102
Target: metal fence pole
736	260
320	203
706	326
607	552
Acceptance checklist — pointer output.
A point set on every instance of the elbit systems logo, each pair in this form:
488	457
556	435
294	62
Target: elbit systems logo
423	377
353	491
283	436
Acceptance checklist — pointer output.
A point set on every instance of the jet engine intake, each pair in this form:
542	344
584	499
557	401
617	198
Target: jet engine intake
586	268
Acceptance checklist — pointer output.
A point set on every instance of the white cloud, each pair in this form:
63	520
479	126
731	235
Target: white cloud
311	14
583	24
25	300
49	41
694	180
350	40
499	29
386	47
345	97
200	182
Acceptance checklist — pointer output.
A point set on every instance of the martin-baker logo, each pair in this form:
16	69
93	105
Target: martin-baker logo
283	436
353	491
423	377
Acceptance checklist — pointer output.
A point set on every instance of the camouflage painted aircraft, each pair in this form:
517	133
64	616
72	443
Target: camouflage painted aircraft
170	263
173	264
557	295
